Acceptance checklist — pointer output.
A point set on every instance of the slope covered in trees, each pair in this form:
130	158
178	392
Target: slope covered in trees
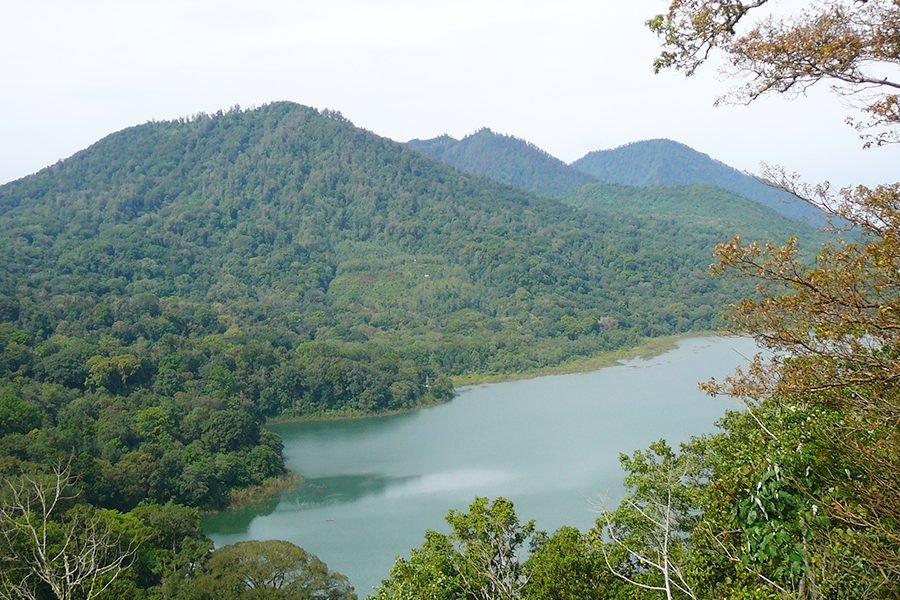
698	206
505	159
664	162
168	289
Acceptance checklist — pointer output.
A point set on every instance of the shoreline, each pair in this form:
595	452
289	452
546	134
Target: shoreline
648	348
247	497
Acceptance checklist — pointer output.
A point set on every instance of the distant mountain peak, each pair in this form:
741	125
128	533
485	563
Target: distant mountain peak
667	162
504	158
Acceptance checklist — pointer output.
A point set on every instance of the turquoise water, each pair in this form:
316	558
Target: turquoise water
551	444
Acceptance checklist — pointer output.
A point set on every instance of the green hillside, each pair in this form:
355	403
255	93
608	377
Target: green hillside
505	159
694	215
664	162
701	206
168	289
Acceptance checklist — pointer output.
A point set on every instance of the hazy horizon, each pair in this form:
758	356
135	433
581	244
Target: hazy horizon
570	77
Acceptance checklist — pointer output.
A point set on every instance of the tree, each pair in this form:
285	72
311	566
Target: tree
489	539
75	552
852	44
111	372
269	569
175	544
647	533
834	327
568	564
430	573
479	559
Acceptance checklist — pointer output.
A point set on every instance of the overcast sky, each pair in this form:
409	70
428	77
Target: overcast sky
571	76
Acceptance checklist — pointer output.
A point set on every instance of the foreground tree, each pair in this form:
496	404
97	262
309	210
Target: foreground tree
646	535
269	569
568	564
831	495
479	559
49	544
851	44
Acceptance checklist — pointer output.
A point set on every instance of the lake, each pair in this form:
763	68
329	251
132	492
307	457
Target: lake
550	444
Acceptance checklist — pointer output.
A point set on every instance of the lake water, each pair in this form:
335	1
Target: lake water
551	444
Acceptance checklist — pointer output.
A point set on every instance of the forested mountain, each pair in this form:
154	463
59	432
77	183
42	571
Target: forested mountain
166	290
664	162
505	159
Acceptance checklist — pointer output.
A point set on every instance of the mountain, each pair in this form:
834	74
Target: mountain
505	159
664	162
291	226
168	289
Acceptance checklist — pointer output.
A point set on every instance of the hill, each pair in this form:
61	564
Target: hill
505	159
664	162
700	208
165	291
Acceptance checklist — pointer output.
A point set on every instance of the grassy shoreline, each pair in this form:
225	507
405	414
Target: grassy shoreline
258	494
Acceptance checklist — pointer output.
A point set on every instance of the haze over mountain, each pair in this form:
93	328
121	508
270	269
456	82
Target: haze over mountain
505	159
665	162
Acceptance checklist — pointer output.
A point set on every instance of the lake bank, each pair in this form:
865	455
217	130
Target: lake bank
647	349
551	444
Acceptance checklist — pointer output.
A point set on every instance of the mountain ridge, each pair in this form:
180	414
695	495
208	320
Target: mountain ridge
504	158
667	162
517	162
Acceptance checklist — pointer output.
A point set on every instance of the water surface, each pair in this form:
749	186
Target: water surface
373	486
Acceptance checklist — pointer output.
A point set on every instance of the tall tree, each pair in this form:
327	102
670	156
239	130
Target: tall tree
834	327
648	531
269	569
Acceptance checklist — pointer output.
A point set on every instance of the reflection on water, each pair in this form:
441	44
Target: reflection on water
237	521
343	488
320	492
452	481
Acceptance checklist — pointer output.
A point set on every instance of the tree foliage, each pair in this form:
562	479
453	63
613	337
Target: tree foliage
267	569
479	558
647	533
815	511
850	44
49	542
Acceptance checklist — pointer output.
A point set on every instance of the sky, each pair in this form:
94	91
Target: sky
570	76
